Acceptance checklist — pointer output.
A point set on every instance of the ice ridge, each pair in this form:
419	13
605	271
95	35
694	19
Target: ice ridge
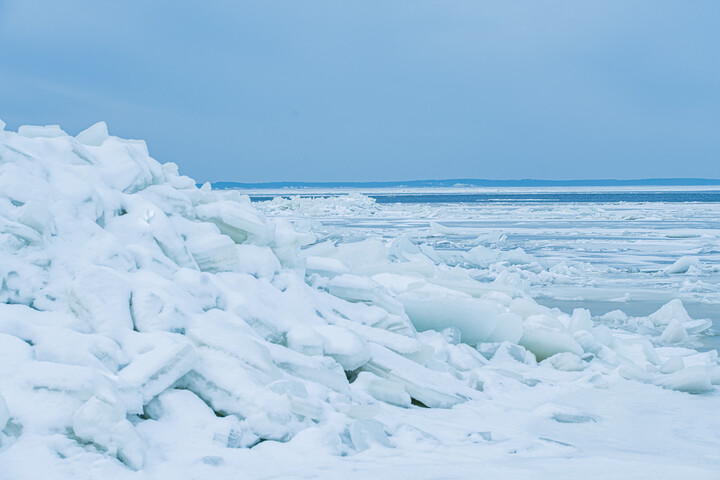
136	307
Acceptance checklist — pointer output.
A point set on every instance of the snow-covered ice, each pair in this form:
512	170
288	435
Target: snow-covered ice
153	329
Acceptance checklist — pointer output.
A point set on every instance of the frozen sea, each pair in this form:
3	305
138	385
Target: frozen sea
600	248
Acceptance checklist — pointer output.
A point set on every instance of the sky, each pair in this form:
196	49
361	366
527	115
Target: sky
374	90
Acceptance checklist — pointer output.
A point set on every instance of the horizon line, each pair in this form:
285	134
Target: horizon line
475	182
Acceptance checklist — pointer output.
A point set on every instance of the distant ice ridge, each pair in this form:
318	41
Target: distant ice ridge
146	321
353	203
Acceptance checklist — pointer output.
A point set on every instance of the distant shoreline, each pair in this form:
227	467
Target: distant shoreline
464	182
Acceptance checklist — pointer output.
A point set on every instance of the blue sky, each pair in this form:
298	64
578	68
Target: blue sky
378	90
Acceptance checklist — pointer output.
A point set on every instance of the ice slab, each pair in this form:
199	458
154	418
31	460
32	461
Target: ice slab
431	388
690	380
154	371
103	423
683	264
237	221
94	135
46	131
545	341
435	308
382	389
673	310
348	349
102	298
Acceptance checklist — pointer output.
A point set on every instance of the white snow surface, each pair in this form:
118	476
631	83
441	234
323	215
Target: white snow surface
153	329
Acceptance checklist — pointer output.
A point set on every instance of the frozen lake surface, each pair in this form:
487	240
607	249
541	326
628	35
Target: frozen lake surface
601	248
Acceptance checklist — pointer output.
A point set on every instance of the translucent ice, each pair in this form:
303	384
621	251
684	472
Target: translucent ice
94	135
436	308
683	264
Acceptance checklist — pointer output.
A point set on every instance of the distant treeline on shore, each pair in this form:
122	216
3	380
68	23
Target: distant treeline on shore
470	182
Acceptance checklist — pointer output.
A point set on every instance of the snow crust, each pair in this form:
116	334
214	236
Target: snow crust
148	325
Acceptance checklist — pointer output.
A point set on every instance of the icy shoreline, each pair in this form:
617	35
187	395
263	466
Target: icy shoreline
150	327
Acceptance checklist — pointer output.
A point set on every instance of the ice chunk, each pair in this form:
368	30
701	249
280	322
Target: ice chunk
463	357
672	365
431	388
400	343
588	342
382	389
436	308
440	229
673	310
508	328
200	287
101	298
397	284
94	135
182	414
408	436
37	216
616	317
506	351
155	310
355	288
230	388
345	347
2	125
126	165
214	253
581	320
156	370
516	257
674	332
224	332
66	346
169	241
452	335
683	264
104	423
237	221
322	370
545	342
525	307
564	414
258	261
481	256
47	131
566	361
287	241
325	266
690	380
76	381
701	325
305	339
365	433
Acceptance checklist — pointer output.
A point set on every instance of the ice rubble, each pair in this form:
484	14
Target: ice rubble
134	302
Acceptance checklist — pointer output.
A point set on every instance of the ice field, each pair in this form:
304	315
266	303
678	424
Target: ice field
631	255
153	329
